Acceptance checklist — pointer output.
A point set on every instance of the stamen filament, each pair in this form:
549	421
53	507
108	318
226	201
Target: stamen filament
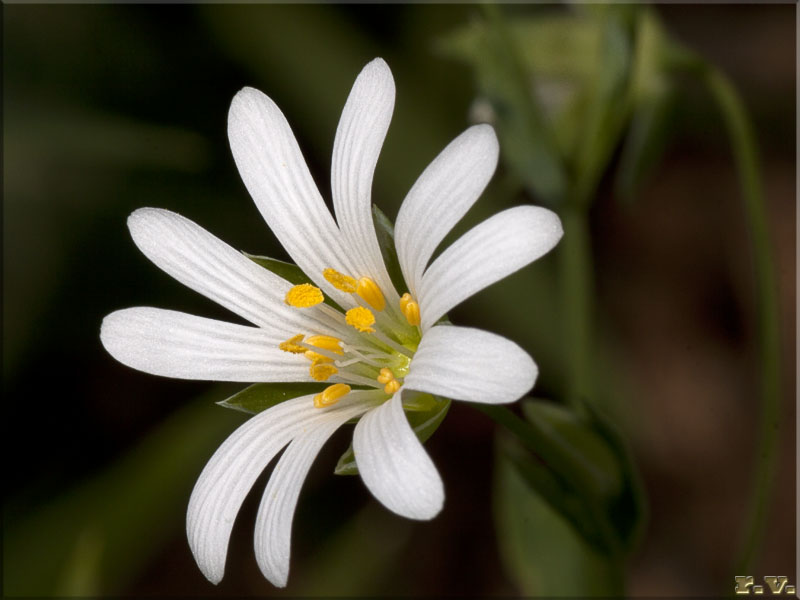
356	379
392	344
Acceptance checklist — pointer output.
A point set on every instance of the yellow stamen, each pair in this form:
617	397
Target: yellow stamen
404	300
326	342
331	395
292	345
319	358
321	371
371	293
361	318
392	386
340	281
386	375
410	309
303	296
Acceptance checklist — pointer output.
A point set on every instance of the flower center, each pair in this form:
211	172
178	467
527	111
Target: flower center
377	351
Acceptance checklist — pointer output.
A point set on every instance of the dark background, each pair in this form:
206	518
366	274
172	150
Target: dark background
110	108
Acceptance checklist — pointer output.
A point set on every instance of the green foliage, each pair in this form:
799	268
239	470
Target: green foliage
541	551
261	396
425	413
384	229
579	466
527	143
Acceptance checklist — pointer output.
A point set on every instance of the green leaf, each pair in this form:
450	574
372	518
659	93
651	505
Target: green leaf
580	467
261	396
608	105
526	141
384	229
289	271
645	142
539	549
653	95
589	453
628	512
423	420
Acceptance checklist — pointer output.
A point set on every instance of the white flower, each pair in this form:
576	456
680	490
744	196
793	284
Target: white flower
387	343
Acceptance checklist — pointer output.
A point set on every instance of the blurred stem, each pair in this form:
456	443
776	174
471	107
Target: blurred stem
576	299
744	150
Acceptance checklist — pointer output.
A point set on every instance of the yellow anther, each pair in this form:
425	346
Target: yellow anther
319	358
404	300
392	386
340	281
361	318
410	309
303	296
321	371
293	345
386	375
371	293
331	395
326	342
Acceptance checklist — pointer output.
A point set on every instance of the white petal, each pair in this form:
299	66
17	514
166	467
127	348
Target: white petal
394	465
359	137
441	196
275	514
174	344
470	364
276	175
231	472
485	254
211	267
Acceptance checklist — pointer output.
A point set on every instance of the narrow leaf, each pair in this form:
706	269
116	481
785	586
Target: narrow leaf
261	396
527	142
384	229
538	546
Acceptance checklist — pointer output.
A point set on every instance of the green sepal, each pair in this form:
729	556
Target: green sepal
261	396
289	271
424	421
384	230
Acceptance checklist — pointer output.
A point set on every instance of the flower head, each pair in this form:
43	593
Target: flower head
383	345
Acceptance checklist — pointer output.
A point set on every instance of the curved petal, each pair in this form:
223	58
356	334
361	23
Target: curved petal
275	514
227	478
485	254
174	344
276	175
470	364
441	196
359	137
394	465
211	267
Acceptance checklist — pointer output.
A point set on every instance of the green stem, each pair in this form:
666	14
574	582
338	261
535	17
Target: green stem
744	150
576	296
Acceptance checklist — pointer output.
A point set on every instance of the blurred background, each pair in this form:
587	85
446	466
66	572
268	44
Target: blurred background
111	108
